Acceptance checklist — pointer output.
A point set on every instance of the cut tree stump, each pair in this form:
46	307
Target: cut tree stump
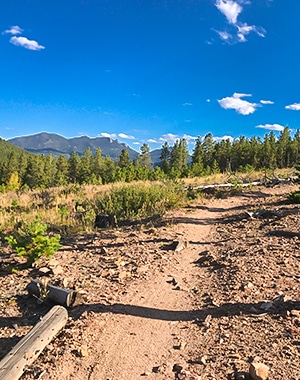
28	349
59	296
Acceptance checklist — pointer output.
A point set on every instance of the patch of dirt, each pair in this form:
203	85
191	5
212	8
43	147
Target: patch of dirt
197	296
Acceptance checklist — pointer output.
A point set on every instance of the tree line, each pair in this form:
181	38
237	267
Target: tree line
20	169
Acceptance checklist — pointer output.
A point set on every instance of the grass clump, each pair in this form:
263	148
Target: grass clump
30	241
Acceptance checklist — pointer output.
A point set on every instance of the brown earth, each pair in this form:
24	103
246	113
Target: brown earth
197	295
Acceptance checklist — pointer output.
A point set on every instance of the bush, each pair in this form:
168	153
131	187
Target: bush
140	200
30	241
294	197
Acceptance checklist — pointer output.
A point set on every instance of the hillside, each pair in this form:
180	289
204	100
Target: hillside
7	148
46	143
205	311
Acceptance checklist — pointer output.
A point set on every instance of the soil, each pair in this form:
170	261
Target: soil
197	295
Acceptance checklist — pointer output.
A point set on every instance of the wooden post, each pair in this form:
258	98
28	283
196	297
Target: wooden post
59	296
28	349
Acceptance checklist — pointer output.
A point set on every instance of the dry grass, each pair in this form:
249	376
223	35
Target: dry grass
56	206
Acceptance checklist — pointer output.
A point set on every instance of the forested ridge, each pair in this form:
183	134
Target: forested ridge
20	169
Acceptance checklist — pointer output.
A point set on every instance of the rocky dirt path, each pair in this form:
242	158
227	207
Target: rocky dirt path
147	331
227	294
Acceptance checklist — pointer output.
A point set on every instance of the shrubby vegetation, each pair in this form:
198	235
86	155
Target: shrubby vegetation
29	240
21	170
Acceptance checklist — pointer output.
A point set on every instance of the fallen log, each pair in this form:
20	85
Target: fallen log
58	295
28	349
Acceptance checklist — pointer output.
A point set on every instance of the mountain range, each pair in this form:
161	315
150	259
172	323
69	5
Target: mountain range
51	143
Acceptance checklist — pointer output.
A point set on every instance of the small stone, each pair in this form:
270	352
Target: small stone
203	359
146	373
177	367
259	371
180	245
240	376
83	351
44	270
295	313
57	270
207	320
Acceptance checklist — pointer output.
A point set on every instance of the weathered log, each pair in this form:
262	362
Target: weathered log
28	349
58	295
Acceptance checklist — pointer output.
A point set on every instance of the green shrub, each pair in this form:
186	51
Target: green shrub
29	240
139	201
294	197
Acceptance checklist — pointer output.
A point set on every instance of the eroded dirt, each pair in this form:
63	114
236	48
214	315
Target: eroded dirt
227	294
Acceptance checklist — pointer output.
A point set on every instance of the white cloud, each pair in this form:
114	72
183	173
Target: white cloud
293	107
225	36
230	9
189	138
109	135
15	29
240	105
266	102
26	43
219	139
171	138
208	100
115	135
244	29
271	127
124	136
136	143
187	104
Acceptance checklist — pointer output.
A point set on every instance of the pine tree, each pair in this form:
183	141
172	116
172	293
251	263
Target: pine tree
165	157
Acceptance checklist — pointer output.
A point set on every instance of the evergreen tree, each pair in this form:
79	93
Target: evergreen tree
284	148
144	159
85	167
61	171
208	147
198	152
98	165
123	159
50	171
74	162
165	157
179	154
34	174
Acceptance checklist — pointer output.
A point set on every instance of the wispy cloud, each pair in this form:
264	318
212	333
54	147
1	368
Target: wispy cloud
219	139
116	135
231	10
225	36
187	104
26	43
266	102
124	136
171	138
293	107
271	127
242	107
14	30
109	135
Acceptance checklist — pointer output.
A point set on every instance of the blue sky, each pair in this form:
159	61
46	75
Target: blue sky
149	71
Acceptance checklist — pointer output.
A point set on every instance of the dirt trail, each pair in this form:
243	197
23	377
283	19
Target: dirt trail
146	331
145	303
